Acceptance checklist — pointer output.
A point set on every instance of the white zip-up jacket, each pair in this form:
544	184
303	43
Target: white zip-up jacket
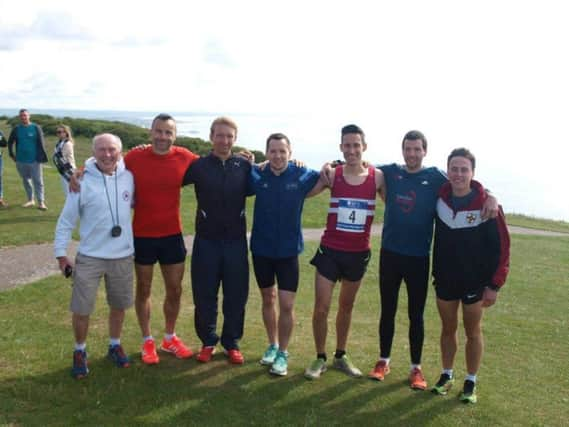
93	208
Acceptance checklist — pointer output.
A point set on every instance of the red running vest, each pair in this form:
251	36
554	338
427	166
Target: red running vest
350	214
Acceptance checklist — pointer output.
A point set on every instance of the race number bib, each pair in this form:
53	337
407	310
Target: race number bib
352	215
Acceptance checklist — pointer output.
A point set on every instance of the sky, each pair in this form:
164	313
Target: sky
489	75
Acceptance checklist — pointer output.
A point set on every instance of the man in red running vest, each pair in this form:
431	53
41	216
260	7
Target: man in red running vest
344	250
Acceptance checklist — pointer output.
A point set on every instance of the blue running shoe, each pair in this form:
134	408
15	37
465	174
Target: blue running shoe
118	356
280	365
269	356
80	369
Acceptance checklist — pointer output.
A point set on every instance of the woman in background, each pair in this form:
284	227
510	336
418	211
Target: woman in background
63	156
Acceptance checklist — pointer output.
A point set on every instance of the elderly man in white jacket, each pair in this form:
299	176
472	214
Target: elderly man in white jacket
106	248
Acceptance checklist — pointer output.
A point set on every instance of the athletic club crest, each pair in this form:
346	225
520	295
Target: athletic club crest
470	218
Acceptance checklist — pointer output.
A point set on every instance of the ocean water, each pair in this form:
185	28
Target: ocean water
523	180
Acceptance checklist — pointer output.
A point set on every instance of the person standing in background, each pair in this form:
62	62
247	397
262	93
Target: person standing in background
29	154
3	144
63	156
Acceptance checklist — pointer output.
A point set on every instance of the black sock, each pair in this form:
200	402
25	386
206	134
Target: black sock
321	356
339	353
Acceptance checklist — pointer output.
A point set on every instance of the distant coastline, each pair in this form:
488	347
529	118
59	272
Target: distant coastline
533	192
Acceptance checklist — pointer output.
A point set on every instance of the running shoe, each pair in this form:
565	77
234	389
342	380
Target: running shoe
235	356
280	367
206	353
345	365
29	204
176	347
117	355
80	368
316	368
149	355
443	385
417	379
42	206
380	370
269	356
468	394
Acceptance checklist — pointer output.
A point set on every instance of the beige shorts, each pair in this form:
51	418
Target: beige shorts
118	274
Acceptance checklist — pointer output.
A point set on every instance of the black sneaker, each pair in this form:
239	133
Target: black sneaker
443	385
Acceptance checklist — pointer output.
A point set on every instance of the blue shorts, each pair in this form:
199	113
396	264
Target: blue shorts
284	269
165	250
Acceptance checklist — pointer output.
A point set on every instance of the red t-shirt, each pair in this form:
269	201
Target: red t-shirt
157	182
350	214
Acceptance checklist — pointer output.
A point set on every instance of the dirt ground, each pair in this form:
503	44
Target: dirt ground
25	264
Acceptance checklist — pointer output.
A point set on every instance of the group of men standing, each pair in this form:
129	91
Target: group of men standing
222	182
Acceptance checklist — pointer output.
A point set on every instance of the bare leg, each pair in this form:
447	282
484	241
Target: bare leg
323	296
116	319
472	318
269	296
173	275
286	317
346	301
448	311
142	299
80	327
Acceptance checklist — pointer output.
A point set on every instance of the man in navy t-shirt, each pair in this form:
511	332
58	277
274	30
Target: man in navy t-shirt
410	208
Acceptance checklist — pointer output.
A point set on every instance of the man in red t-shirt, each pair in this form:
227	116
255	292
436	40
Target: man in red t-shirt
158	172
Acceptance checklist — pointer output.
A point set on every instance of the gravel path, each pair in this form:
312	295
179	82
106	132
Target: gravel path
25	264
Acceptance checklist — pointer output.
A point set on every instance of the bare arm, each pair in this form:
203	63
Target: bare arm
322	183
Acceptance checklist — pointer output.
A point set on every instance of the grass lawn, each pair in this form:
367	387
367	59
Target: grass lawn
523	380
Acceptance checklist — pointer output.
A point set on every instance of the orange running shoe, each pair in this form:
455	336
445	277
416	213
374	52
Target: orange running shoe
417	380
177	348
149	355
380	370
205	354
235	356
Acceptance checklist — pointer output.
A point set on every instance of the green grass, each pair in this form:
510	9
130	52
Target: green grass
523	380
537	223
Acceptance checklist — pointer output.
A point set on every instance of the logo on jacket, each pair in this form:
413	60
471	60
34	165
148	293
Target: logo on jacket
470	218
126	196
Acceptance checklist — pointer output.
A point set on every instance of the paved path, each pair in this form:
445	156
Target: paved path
25	264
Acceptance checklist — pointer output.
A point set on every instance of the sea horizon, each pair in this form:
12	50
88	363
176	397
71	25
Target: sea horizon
315	140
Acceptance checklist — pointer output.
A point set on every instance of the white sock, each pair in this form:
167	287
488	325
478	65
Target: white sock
386	360
415	366
168	337
114	341
80	346
148	338
471	377
449	372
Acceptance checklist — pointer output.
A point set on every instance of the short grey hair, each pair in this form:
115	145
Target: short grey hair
115	139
